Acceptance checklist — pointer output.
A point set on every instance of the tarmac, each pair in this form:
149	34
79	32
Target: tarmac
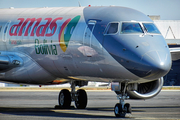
40	105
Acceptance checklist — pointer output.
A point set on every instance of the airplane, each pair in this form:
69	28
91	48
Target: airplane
113	44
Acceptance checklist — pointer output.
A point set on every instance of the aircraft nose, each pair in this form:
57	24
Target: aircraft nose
158	63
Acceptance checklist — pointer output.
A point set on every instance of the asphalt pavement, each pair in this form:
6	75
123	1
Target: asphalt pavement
40	105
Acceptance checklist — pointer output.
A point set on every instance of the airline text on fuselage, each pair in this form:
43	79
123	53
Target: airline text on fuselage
45	48
39	30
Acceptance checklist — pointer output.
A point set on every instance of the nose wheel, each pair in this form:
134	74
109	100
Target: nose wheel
121	111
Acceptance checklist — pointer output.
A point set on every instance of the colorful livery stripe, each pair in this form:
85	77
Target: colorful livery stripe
67	29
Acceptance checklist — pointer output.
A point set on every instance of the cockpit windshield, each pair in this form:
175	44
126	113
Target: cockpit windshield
131	27
112	28
151	28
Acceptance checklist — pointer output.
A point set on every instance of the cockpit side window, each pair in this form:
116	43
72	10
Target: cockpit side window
151	28
112	28
131	27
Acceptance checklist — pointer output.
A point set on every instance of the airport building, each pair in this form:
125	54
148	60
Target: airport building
170	29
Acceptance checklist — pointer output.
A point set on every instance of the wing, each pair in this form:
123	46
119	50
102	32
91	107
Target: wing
175	53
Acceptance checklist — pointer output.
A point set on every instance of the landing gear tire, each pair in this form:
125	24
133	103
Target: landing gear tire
81	100
64	99
118	111
127	107
121	111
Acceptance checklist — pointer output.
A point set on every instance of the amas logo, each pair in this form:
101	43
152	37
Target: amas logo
35	28
67	29
39	30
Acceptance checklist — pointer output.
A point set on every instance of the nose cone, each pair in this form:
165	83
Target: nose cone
157	63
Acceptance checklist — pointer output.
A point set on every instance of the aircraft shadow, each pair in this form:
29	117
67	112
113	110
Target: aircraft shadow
71	113
51	112
142	109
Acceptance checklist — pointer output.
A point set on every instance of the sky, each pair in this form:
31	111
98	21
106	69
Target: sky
167	9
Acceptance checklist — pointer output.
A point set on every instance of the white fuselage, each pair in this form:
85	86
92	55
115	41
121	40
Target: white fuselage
55	43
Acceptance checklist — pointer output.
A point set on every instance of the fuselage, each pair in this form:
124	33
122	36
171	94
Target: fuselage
83	43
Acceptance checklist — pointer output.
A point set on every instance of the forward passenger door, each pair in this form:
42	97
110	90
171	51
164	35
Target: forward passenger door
88	33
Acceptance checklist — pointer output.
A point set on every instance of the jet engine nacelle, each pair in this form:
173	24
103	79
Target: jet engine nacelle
140	91
146	90
22	69
9	61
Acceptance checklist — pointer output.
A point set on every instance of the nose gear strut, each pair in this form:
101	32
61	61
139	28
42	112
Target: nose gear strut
122	108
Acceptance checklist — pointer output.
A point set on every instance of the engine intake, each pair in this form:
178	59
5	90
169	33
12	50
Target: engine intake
146	90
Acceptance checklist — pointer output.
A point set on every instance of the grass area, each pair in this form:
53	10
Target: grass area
171	88
49	88
60	88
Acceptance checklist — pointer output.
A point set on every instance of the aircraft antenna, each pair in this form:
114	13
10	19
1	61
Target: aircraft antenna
79	4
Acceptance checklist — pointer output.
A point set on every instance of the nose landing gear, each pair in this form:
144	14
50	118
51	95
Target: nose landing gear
121	109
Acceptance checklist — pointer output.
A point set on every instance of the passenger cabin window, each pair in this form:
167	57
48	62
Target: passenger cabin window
72	29
112	28
29	30
18	29
131	27
23	29
41	29
65	30
5	29
35	29
12	29
53	29
47	29
151	28
59	29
